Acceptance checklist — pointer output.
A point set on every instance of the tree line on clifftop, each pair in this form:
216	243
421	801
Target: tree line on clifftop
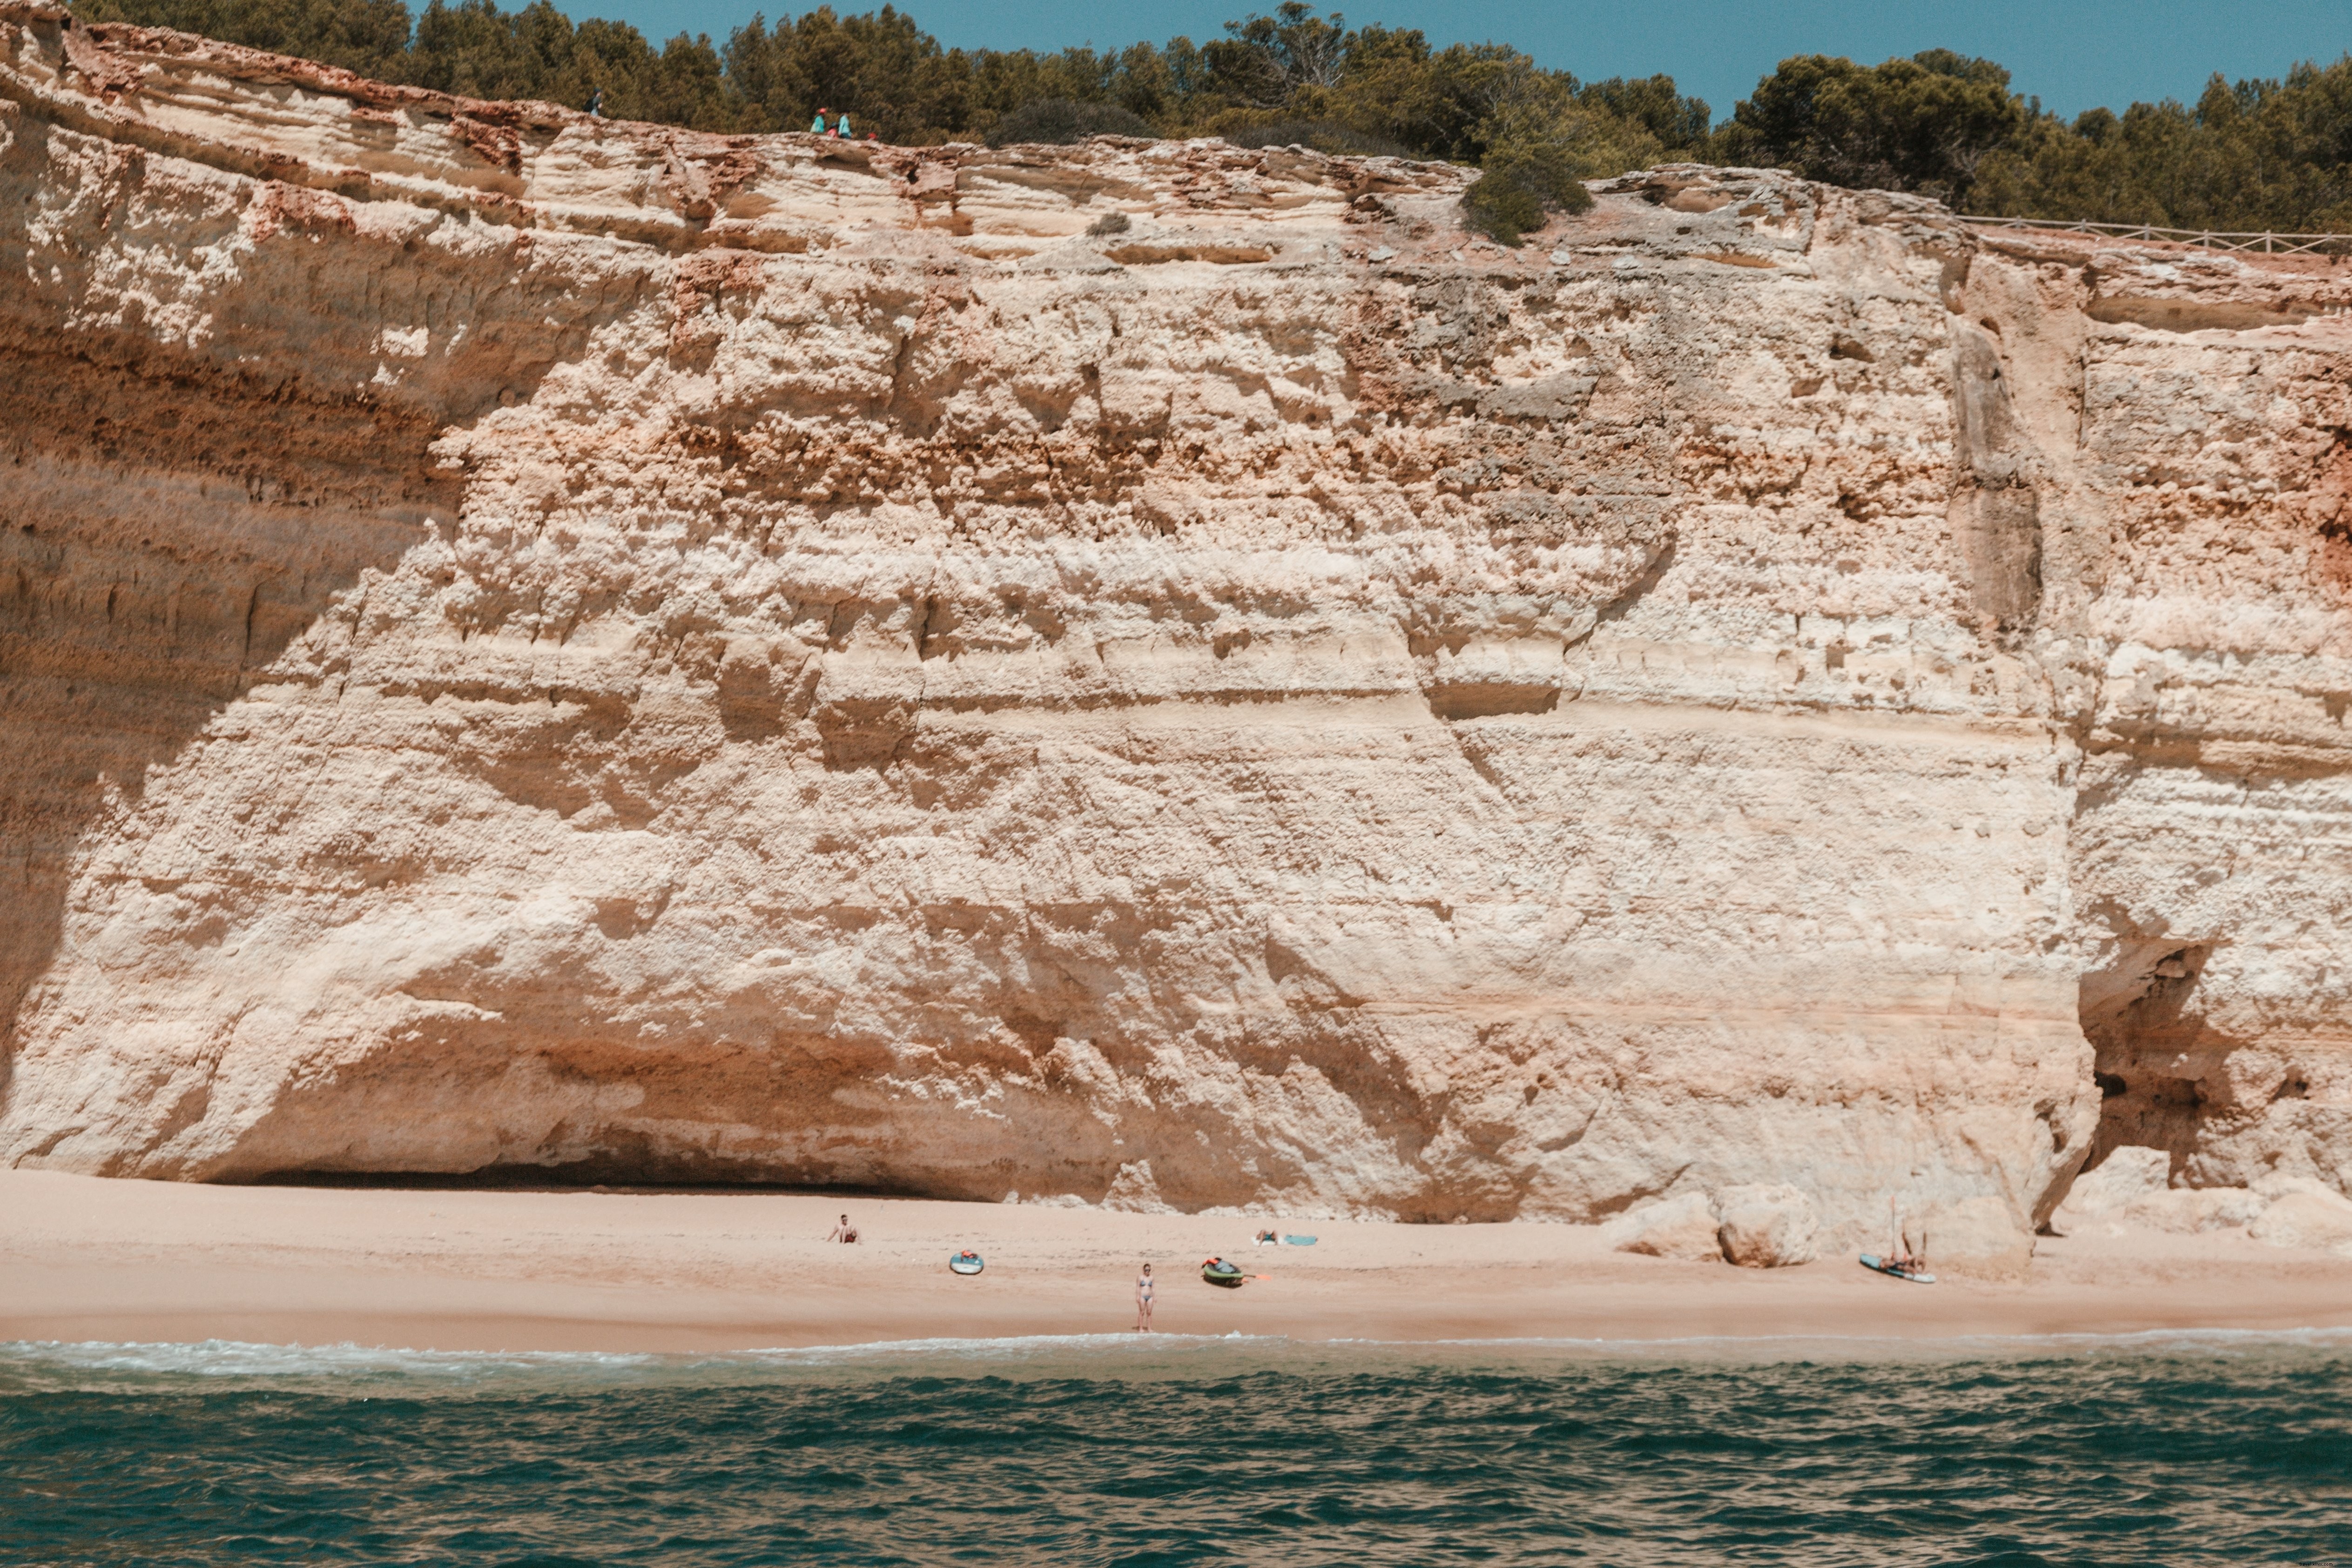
2257	154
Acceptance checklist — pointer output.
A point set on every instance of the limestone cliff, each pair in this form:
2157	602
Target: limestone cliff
1151	671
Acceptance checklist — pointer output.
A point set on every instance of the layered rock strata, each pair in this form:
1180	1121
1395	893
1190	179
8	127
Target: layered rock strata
1149	672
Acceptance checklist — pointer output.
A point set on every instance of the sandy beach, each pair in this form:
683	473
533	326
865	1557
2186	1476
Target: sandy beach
89	1260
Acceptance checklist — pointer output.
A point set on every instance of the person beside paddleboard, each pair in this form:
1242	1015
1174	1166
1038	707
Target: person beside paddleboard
1143	1301
1900	1261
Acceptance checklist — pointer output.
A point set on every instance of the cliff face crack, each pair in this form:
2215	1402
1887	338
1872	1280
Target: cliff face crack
1621	605
1995	510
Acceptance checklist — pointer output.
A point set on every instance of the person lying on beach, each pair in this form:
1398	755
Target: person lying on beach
845	1231
1143	1301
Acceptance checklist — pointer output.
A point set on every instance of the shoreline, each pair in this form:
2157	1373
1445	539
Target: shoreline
86	1260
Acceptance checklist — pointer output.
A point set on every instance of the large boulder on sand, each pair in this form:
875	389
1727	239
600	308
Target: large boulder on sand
1976	1238
2312	1216
2133	1186
2186	1210
2126	1176
1765	1225
1682	1228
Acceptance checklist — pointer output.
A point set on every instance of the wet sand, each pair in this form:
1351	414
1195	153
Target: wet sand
83	1259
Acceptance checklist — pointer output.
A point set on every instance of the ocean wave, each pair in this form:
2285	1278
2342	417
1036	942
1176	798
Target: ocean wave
1097	1449
1882	1347
108	1363
27	1362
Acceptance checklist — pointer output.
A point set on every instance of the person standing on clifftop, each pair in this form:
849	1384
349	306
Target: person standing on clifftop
817	127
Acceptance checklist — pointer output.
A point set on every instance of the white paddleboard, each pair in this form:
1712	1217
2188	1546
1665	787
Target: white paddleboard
1877	1265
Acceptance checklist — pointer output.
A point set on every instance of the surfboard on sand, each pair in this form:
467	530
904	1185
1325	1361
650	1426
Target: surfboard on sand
1877	1265
967	1263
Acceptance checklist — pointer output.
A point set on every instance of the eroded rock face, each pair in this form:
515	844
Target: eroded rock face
1767	1225
2320	1219
533	641
1682	1228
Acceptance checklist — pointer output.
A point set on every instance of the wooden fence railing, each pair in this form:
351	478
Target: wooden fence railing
2211	239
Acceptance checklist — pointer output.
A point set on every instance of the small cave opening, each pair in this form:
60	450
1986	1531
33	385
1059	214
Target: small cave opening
2156	1060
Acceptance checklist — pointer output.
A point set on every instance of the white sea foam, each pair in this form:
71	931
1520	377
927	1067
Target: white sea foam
95	1361
51	1360
1880	1347
240	1358
1016	1344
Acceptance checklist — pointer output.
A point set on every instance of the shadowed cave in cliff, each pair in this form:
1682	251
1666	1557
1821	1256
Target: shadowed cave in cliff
2168	1078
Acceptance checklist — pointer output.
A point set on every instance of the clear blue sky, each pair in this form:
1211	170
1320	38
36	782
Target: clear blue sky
2074	53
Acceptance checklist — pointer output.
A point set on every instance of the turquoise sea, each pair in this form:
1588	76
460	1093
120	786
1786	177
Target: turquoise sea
2211	1448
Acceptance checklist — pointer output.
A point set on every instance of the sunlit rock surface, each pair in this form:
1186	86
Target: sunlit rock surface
530	640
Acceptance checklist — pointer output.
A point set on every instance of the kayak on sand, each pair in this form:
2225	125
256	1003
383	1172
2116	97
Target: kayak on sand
967	1263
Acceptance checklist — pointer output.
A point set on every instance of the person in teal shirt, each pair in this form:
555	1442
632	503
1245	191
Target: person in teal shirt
843	125
817	126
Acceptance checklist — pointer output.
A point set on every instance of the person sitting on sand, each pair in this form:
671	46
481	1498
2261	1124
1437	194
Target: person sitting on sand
845	1231
1902	1259
1143	1301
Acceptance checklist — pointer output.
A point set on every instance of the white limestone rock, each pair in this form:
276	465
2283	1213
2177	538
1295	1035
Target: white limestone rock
541	643
1681	1228
2126	1176
2320	1220
1976	1238
2188	1210
1767	1225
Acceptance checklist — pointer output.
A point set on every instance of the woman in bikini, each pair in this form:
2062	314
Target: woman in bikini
1143	1301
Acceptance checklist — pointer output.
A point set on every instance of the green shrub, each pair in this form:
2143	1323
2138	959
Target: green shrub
1323	135
1058	121
1524	182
